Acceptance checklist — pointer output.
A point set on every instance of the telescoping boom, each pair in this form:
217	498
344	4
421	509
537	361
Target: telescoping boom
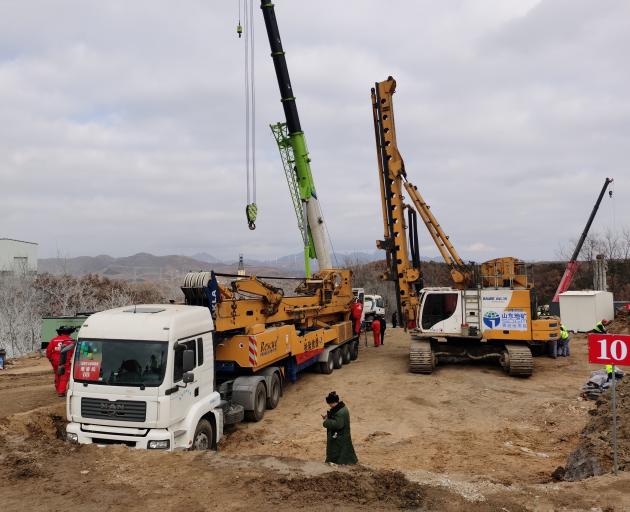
295	157
573	263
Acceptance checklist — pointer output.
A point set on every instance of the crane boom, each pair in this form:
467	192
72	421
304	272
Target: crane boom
405	275
296	159
460	273
393	178
573	264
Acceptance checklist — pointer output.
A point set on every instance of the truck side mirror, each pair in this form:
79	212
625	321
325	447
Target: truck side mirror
188	360
61	370
188	377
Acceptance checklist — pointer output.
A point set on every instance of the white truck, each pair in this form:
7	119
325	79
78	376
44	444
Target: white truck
146	376
373	305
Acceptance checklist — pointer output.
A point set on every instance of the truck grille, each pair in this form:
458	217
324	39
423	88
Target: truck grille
117	410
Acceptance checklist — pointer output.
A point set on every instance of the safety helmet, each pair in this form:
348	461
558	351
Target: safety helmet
66	329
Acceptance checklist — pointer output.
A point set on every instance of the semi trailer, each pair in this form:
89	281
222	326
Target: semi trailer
173	376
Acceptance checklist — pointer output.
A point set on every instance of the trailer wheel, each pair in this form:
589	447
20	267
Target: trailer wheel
354	350
327	367
274	392
202	440
260	403
345	354
337	358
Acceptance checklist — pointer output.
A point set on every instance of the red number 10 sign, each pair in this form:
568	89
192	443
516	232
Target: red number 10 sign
609	349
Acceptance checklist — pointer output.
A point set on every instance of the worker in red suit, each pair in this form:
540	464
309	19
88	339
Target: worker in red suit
53	353
376	331
356	311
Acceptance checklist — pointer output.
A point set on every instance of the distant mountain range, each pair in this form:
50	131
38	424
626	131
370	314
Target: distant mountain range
148	267
144	267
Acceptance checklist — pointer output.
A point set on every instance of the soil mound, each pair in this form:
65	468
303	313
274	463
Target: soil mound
371	487
593	455
29	440
360	488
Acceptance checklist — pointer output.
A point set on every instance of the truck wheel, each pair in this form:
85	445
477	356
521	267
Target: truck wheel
260	402
345	354
202	440
274	392
354	350
327	366
337	358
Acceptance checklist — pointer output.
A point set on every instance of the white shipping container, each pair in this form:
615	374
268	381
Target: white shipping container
17	255
581	310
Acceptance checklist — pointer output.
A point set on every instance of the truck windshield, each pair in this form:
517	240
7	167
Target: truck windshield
120	363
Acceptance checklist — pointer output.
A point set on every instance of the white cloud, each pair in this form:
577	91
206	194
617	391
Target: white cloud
479	247
123	122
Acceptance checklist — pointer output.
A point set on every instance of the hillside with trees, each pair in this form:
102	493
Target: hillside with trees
614	245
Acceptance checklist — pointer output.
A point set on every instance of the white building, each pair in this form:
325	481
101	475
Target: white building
16	255
580	311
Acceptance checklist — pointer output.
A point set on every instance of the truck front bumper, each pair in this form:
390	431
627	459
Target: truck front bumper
144	439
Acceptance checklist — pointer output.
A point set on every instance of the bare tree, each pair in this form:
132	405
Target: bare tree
19	318
117	298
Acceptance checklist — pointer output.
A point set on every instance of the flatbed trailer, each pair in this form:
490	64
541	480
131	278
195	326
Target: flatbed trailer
173	376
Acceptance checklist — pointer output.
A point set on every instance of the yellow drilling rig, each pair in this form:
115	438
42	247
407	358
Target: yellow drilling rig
489	313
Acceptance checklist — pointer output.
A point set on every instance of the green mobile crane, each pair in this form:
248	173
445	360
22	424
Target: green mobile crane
295	157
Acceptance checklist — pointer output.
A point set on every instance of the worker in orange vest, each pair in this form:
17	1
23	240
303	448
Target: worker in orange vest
53	353
376	331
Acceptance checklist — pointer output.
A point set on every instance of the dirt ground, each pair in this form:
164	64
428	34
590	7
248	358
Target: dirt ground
466	438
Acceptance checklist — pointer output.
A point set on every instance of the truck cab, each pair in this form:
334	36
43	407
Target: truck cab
144	376
373	306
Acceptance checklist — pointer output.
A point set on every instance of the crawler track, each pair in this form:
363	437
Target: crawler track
421	359
517	360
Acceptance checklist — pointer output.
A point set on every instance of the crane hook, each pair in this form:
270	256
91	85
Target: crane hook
251	211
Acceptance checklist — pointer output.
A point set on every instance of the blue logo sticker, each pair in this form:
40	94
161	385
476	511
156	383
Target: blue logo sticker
491	319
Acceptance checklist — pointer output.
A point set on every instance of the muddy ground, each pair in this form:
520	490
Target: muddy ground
466	438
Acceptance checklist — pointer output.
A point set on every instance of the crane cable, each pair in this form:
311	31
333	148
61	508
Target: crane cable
251	210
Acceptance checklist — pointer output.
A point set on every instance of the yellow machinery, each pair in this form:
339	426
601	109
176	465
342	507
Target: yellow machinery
490	313
256	325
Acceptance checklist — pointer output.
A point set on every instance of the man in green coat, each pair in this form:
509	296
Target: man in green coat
339	449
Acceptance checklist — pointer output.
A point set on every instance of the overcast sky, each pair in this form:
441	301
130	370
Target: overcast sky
122	122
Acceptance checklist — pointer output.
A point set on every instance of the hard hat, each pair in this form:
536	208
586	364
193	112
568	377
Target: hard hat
605	322
66	329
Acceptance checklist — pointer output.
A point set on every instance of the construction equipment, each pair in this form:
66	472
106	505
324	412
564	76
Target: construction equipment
172	376
295	157
490	312
574	264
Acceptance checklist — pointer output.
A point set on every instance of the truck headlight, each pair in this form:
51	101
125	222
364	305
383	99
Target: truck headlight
72	438
159	445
